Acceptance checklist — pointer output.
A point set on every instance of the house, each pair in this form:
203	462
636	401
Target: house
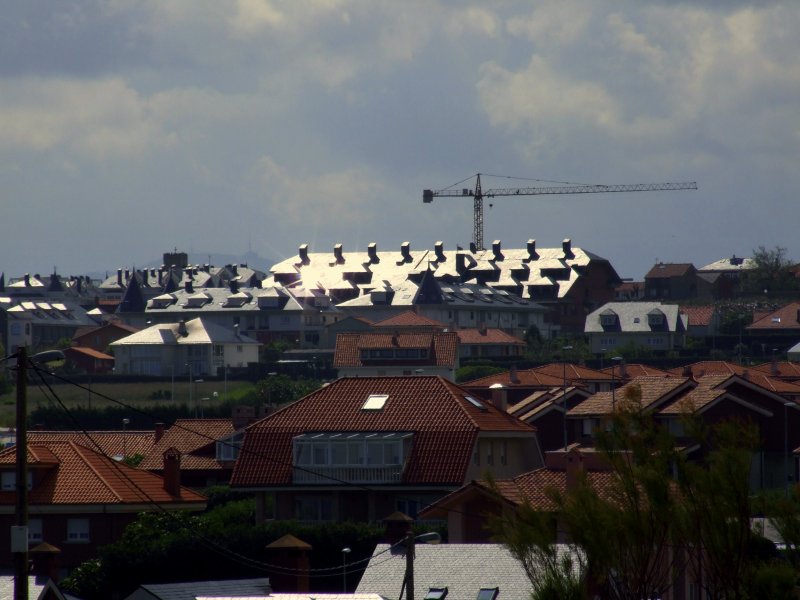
517	384
546	410
266	313
671	281
725	276
362	448
99	337
712	398
702	322
452	571
384	353
208	448
88	360
195	347
80	499
487	343
629	291
760	375
39	324
114	444
777	325
659	327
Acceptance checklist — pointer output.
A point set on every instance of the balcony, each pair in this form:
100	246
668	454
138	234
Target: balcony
333	475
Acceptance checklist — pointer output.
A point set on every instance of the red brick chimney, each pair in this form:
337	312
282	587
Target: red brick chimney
172	471
292	554
159	433
397	525
574	467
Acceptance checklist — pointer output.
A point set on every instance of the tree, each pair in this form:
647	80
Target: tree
772	272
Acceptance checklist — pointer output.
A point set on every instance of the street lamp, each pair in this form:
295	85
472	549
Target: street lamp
345	552
564	350
426	538
614	361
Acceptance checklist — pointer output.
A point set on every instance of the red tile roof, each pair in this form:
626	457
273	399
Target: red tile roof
654	391
786	369
525	378
444	423
110	443
409	319
487	336
699	316
76	475
196	441
721	367
574	372
443	347
664	270
785	318
629	371
709	389
91	352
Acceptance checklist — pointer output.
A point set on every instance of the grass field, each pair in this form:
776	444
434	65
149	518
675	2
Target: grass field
140	395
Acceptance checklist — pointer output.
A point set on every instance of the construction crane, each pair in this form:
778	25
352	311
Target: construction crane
478	195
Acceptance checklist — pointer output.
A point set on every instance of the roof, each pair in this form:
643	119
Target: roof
198	331
90	352
190	590
631	370
786	317
524	378
754	374
633	317
654	391
665	270
78	475
489	336
190	436
443	347
573	372
734	263
463	568
444	423
110	443
409	319
699	316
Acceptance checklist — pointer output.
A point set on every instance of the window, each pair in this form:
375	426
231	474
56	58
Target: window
490	453
588	425
314	508
608	319
9	481
239	348
34	531
375	402
436	593
219	350
488	593
504	452
78	530
476	454
228	449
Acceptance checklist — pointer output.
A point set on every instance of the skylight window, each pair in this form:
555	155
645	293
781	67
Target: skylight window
375	402
488	593
436	593
475	402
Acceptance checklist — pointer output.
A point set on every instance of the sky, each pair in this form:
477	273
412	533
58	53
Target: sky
129	129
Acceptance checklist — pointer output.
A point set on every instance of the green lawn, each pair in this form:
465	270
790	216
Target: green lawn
140	395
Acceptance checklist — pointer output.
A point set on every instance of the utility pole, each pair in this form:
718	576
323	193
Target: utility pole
19	536
410	565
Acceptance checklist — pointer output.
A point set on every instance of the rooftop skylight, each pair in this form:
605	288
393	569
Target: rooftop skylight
375	402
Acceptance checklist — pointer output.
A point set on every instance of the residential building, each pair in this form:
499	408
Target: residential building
725	276
114	444
384	353
191	590
40	324
196	347
779	325
80	499
566	281
654	325
487	343
546	410
362	448
517	384
671	281
702	321
208	447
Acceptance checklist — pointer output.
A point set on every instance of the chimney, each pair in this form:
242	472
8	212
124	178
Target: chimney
233	284
337	253
45	558
774	367
242	415
182	328
499	396
159	433
574	467
291	555
145	280
302	251
566	245
460	262
372	252
687	371
513	376
405	250
472	247
532	255
438	249
482	328
127	275
188	286
172	471
119	278
396	527
498	254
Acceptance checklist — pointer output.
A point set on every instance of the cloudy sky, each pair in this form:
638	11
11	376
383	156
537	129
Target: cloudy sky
129	128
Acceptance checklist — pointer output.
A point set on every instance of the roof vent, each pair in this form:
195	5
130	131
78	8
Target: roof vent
566	246
498	254
438	249
182	328
372	252
532	255
405	250
302	251
337	254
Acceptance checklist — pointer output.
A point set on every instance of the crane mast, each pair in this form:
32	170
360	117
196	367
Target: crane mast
478	195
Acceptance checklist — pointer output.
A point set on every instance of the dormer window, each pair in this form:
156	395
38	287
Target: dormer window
608	318
655	318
